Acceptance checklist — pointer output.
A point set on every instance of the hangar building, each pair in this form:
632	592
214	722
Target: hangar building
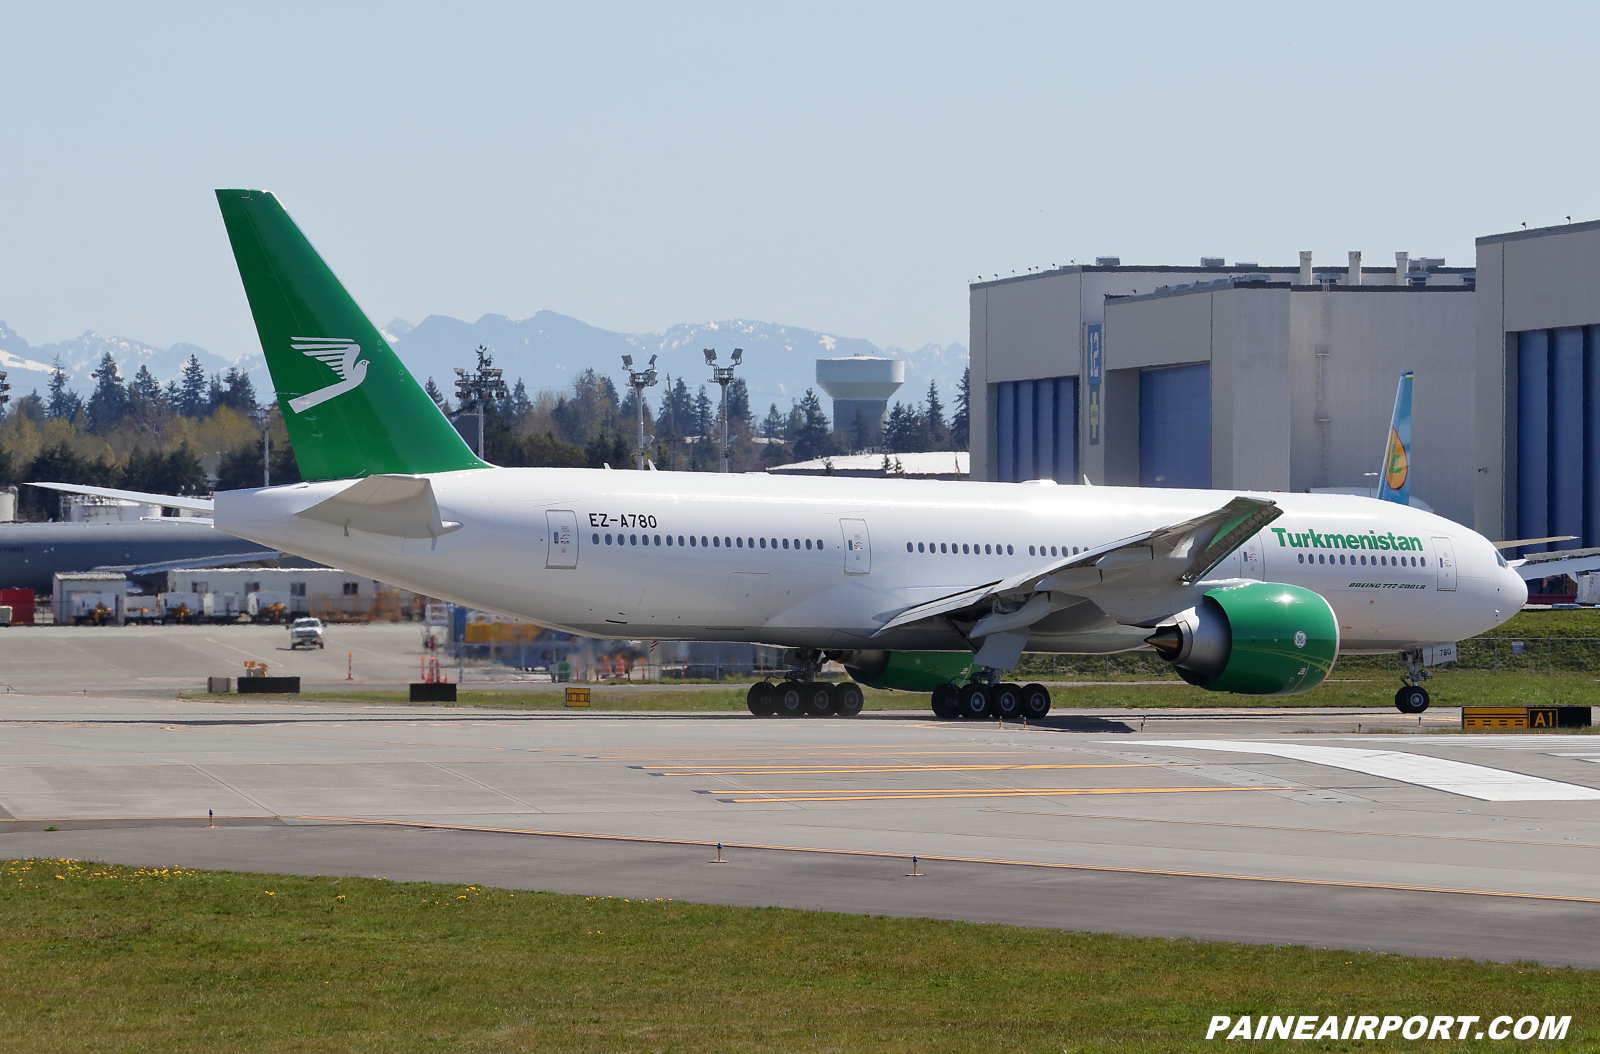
1538	385
1269	378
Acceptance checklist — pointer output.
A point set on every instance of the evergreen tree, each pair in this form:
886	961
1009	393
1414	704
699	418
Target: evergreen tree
64	403
192	399
705	415
546	451
960	425
236	392
933	415
815	437
772	424
108	403
32	407
213	398
677	416
518	406
145	397
738	401
436	395
860	432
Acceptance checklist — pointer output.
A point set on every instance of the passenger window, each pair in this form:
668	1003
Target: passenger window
1009	551
964	549
691	540
1030	551
680	539
908	547
986	551
919	547
1074	550
669	541
1052	550
608	539
727	543
597	537
786	543
797	543
1424	561
716	542
808	543
741	543
1302	557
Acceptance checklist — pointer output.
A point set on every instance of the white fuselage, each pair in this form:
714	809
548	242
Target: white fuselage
824	562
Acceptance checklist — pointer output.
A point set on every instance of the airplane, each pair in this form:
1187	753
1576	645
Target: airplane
910	584
31	554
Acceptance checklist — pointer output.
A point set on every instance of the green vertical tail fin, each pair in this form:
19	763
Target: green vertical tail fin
350	407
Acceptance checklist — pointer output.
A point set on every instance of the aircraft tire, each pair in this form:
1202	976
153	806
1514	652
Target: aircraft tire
760	699
818	699
847	699
1411	699
1035	702
945	706
789	699
1006	700
974	702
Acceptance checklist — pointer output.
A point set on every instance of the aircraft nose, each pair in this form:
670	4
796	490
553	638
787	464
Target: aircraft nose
1515	590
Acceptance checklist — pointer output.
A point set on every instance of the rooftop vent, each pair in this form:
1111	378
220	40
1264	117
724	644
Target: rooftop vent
1427	263
1241	265
1212	261
1108	261
1241	279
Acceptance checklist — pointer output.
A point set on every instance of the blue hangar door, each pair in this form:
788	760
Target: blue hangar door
1175	427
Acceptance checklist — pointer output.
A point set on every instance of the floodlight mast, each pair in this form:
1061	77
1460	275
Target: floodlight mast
639	380
723	375
478	387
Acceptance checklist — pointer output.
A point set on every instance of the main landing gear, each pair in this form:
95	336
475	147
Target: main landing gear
1412	698
802	695
981	699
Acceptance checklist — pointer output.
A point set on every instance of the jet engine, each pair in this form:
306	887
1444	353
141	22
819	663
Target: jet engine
905	671
1259	638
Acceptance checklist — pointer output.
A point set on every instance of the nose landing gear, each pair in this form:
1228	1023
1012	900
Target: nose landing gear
1412	698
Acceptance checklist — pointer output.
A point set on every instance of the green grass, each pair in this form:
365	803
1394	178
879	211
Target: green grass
1371	686
104	958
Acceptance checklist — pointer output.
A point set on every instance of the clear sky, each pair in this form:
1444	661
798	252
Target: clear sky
846	168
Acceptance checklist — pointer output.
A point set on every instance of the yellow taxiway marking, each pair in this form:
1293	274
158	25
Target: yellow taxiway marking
1100	868
800	770
1042	792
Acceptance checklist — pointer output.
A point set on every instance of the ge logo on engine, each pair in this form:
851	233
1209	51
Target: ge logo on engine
1300	638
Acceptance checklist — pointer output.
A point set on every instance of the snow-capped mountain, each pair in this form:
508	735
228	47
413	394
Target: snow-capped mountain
29	366
548	350
545	351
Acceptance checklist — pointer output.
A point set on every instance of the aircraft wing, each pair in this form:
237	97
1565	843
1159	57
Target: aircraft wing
1560	562
1145	565
170	501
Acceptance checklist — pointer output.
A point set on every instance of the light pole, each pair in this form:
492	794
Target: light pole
723	375
639	380
263	417
479	387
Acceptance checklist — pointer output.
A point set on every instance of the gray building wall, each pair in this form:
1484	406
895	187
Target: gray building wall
1547	278
1303	382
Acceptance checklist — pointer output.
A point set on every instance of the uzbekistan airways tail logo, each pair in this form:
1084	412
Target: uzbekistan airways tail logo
340	354
1395	467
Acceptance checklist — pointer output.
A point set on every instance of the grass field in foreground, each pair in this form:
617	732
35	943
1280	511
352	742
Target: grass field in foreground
106	958
1448	688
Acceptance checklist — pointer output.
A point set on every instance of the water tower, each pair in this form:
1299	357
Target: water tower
860	384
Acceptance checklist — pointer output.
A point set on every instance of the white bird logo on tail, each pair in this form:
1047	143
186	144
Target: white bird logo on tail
339	353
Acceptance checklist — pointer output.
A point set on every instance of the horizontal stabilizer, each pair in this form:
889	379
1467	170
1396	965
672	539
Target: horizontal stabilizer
396	506
170	501
225	560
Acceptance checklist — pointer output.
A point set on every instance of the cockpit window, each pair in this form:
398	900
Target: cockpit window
1501	560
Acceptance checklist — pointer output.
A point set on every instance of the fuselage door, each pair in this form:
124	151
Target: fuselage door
563	548
1251	564
1445	556
857	547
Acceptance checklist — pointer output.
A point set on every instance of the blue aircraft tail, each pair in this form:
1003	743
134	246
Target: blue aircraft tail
1394	482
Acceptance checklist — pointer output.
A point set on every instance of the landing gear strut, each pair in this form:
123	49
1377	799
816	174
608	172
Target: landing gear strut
1412	698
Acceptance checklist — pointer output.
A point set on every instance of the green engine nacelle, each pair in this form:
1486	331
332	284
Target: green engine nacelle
906	671
1260	638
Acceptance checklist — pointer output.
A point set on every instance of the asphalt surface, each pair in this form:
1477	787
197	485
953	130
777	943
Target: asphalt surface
1433	844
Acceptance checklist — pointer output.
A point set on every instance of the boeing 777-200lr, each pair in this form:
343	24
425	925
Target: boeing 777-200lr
915	585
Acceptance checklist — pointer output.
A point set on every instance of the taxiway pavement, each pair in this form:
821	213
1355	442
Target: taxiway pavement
1276	826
